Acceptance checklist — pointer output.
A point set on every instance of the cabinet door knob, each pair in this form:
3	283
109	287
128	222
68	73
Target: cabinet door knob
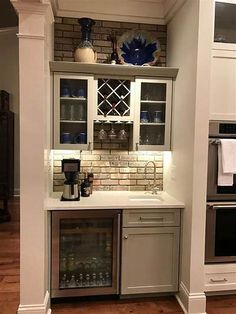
125	237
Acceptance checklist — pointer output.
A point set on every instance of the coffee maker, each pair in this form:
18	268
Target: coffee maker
70	167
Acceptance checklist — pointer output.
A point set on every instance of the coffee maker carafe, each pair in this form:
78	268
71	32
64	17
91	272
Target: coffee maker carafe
70	167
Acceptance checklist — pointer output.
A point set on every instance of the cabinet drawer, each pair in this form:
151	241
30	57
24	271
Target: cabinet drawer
220	281
151	217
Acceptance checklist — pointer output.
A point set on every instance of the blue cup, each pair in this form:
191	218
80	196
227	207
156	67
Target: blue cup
80	93
66	138
144	116
65	92
81	138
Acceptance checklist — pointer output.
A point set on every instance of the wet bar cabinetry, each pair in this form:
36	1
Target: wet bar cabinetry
95	252
150	251
97	105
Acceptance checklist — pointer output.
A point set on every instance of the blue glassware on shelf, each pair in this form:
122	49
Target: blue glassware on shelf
66	138
144	116
65	92
157	116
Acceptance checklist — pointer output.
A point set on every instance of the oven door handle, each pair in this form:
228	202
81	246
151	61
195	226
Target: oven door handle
221	206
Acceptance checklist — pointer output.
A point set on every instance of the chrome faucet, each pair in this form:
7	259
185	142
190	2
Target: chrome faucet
154	188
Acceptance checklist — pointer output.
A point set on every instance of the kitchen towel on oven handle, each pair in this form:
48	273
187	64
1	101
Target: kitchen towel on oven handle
226	161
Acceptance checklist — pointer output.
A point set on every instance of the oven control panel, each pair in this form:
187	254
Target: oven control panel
222	129
227	128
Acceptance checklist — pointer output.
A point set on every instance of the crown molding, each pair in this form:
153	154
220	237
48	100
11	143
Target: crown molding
134	11
41	7
35	6
171	7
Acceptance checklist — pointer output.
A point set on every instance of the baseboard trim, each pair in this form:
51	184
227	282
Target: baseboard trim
36	308
191	303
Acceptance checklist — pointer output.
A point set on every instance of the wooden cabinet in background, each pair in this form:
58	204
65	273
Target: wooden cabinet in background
6	160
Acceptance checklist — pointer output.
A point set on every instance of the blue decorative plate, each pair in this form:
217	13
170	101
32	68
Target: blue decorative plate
138	48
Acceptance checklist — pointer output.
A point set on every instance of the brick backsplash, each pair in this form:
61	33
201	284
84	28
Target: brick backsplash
68	36
113	170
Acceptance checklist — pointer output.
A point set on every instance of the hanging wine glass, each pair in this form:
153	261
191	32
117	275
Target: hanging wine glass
112	134
102	134
122	135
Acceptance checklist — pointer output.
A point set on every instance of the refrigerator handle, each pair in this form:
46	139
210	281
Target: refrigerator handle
118	252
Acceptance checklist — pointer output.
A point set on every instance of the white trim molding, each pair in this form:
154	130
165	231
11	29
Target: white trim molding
36	308
29	36
191	303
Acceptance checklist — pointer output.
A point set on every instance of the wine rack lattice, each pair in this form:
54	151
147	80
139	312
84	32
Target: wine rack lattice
113	97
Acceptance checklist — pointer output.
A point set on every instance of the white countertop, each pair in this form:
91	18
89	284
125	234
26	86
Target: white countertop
115	200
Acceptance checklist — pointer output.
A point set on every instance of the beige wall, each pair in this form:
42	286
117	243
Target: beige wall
9	81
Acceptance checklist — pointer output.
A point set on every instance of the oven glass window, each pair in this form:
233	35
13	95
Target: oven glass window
225	233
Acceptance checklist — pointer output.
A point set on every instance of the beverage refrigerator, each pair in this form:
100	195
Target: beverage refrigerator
85	252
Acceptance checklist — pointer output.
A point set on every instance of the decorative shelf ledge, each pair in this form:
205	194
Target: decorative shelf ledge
116	69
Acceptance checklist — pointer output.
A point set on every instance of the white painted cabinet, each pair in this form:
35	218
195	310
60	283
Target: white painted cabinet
100	106
73	99
150	251
223	82
223	65
225	25
220	277
153	114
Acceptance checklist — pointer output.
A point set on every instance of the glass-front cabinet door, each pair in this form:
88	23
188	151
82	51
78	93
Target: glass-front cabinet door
85	253
72	102
225	24
153	114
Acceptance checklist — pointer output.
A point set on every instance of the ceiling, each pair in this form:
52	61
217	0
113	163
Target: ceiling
137	11
8	17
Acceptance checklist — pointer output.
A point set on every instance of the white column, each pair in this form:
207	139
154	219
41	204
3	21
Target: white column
35	21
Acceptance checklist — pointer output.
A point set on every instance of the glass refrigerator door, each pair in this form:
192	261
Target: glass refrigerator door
86	256
154	117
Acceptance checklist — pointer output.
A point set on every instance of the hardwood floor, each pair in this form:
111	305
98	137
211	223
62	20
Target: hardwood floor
9	286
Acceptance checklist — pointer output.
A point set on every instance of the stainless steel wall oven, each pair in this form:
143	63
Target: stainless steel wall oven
220	233
219	130
220	246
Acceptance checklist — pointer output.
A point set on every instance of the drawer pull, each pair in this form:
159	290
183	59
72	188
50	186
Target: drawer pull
218	280
151	218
